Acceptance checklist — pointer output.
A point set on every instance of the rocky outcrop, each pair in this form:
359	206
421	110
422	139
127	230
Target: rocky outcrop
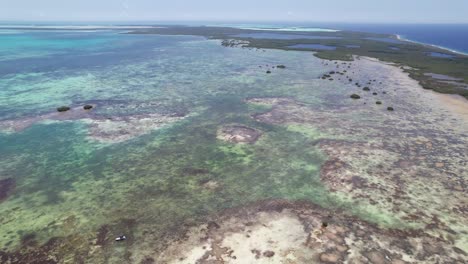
63	108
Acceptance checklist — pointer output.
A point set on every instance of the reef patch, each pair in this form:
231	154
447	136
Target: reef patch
101	128
6	188
238	134
123	128
279	231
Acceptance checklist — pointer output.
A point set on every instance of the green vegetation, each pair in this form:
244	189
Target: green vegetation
403	53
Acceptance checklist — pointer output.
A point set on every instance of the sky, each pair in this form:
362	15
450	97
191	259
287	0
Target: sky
357	11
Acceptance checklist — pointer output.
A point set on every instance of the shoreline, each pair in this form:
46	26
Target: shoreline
401	38
454	103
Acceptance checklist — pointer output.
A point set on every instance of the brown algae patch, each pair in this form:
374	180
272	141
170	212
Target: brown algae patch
238	134
278	231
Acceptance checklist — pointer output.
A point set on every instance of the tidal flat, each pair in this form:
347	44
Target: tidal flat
202	152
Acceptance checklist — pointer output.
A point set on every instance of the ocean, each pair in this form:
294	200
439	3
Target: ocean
449	36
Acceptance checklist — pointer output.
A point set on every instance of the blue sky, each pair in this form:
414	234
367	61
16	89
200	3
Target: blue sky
383	11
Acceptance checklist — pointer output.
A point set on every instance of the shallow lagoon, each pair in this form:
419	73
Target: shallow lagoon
154	185
440	55
281	36
61	175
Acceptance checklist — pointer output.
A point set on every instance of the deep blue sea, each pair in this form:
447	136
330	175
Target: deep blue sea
451	36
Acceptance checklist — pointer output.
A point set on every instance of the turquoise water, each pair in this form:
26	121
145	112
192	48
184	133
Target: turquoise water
150	159
69	183
440	55
19	44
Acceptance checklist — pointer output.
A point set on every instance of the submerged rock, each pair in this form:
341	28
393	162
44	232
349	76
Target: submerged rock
366	89
281	67
63	108
239	134
355	96
6	187
378	102
390	108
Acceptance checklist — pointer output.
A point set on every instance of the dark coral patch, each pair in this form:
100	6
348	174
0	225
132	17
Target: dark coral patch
6	188
102	235
45	254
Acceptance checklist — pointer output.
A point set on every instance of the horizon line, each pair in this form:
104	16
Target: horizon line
230	21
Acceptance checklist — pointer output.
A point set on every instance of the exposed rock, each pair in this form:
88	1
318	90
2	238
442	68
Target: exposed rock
268	72
355	96
378	102
281	67
268	253
366	89
63	108
87	107
390	108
